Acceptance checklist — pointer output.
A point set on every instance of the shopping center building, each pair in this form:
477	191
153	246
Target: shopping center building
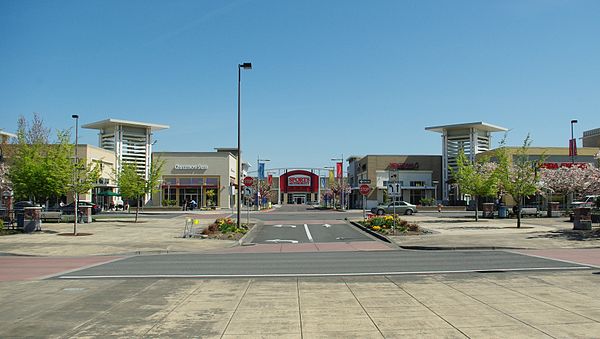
410	177
208	178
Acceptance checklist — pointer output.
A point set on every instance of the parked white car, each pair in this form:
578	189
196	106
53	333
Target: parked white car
588	201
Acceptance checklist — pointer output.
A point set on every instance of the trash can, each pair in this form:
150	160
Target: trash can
488	210
582	218
85	214
32	220
553	209
502	212
19	211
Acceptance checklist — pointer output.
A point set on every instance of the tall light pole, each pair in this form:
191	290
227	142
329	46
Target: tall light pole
258	160
245	65
341	181
572	144
76	174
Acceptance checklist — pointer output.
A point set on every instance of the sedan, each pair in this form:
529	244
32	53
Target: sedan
401	207
68	209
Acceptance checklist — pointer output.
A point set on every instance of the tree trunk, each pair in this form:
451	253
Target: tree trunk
518	216
137	209
476	209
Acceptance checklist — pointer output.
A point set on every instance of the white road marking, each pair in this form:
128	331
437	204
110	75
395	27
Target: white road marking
326	225
499	270
308	233
290	226
282	240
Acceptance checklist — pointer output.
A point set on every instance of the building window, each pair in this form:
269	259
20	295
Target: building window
170	181
212	182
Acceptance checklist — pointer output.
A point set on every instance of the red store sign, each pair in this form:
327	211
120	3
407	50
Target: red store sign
298	180
404	165
557	165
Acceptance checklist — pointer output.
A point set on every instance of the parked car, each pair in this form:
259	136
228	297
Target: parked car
402	207
68	209
588	201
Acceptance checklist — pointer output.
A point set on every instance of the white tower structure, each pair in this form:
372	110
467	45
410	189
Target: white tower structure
472	138
131	142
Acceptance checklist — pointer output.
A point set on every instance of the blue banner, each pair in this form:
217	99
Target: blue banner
261	171
323	182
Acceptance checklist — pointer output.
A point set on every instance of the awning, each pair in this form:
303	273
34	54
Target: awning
109	194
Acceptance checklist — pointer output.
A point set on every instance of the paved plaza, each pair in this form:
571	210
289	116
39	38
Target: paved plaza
36	302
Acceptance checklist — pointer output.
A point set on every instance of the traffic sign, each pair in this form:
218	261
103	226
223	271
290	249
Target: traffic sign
364	181
248	181
364	189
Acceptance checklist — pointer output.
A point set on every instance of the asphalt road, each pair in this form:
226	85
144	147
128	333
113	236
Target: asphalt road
318	264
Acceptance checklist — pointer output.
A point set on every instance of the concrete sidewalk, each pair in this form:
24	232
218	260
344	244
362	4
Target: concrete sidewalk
117	236
449	232
493	305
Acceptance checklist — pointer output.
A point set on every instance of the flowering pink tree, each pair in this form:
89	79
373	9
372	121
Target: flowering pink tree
575	179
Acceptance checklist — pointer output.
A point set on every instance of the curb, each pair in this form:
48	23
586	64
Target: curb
242	241
459	248
371	232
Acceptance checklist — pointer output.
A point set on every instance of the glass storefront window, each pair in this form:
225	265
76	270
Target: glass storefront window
212	181
170	181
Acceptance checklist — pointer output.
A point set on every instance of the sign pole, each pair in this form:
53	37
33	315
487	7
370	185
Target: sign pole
364	207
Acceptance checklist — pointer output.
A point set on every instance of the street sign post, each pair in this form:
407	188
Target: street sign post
364	189
364	181
248	181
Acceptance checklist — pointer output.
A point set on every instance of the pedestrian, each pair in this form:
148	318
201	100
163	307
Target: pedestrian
192	204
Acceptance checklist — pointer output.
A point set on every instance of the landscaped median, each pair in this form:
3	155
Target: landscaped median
383	226
226	228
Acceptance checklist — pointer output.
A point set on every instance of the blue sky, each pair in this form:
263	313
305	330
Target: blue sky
328	78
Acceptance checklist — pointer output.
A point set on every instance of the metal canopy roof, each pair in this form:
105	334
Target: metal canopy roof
483	126
104	124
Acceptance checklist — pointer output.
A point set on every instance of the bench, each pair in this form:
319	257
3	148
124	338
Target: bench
51	215
527	211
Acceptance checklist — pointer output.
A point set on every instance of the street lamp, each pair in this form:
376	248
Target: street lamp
76	179
258	160
572	144
341	181
245	65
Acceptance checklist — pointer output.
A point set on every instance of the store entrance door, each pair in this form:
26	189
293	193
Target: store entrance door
299	199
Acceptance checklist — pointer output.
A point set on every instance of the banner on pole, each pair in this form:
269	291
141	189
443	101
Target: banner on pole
270	180
572	147
261	171
338	167
331	178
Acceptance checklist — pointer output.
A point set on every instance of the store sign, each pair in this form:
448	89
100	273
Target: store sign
191	167
299	180
404	166
557	165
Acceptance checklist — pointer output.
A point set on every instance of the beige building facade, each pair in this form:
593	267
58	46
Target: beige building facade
411	177
208	178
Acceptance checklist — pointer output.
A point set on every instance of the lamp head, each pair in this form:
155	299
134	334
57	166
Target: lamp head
246	65
573	121
75	116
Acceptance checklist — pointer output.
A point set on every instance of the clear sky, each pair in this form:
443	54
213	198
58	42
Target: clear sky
328	78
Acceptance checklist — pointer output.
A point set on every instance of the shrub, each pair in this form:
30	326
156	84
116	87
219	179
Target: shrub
427	201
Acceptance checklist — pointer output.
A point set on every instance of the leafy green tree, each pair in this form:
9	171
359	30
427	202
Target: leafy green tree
132	185
40	170
518	175
479	178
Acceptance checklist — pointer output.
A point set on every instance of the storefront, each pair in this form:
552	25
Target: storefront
299	187
207	178
411	178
